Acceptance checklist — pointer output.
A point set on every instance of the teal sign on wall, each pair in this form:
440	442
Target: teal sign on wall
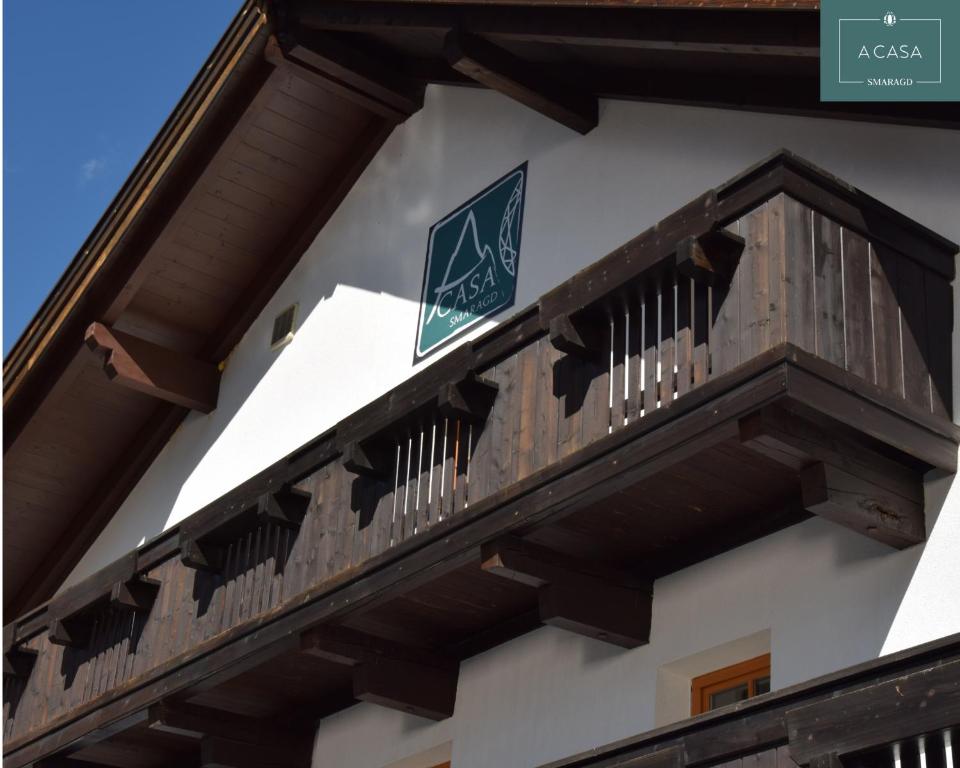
890	50
472	259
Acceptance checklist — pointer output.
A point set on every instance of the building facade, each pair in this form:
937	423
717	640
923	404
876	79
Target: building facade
685	495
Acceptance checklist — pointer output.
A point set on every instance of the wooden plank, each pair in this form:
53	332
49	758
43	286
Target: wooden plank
651	332
913	333
939	302
685	335
547	406
914	704
857	306
828	289
886	319
634	356
528	359
798	270
754	271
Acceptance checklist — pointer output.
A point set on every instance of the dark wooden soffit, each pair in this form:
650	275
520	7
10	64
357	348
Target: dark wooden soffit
255	159
557	57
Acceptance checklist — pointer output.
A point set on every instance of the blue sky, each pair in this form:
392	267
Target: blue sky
86	86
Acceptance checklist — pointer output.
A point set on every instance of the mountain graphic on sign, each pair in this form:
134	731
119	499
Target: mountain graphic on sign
468	256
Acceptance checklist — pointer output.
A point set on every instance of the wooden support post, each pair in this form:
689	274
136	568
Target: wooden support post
154	370
576	596
710	259
471	398
841	477
579	335
500	70
408	679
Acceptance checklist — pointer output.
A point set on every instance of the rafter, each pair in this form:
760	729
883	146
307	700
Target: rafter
154	370
498	69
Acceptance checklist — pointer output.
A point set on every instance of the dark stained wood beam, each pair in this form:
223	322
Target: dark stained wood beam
471	398
331	57
411	680
579	335
154	370
219	752
576	596
710	259
695	30
918	703
197	722
564	101
349	75
841	477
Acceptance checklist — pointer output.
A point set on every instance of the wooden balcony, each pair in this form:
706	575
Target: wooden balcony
778	348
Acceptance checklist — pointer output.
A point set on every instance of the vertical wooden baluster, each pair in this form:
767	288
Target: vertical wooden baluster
634	319
618	367
650	332
668	332
527	417
685	334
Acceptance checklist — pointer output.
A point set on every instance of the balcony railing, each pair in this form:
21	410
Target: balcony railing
781	318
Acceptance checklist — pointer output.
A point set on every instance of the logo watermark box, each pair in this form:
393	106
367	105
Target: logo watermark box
875	50
473	255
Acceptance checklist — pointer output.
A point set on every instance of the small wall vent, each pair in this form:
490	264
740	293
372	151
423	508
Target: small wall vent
283	327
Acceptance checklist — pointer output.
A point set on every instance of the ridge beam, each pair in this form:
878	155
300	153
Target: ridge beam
576	596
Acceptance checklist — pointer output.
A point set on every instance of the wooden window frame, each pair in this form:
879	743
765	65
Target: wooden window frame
702	686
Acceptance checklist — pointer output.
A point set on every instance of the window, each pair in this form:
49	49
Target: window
730	685
283	327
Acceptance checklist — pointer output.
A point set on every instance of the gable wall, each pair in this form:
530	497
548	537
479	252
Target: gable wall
358	285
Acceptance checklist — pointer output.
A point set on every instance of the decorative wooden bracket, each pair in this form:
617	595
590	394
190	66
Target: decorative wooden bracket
154	370
408	679
17	661
203	545
471	398
500	70
711	258
368	459
580	597
580	335
349	73
841	478
75	612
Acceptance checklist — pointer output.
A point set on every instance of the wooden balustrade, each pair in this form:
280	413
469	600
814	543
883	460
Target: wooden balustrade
781	258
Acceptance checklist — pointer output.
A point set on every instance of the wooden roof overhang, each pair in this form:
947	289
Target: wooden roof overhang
369	563
249	166
268	139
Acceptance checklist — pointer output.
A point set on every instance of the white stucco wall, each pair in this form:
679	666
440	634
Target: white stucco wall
358	285
827	597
